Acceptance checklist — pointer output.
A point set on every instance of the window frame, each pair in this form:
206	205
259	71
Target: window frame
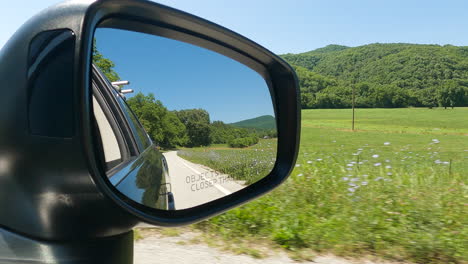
106	97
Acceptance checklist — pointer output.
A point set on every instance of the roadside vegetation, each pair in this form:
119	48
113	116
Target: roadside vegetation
244	164
396	189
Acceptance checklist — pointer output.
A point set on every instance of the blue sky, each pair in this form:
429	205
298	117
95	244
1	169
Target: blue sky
302	25
288	27
183	76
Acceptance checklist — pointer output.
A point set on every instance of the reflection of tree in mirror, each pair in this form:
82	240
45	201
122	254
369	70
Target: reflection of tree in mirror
192	127
163	126
235	137
105	65
150	177
197	122
247	164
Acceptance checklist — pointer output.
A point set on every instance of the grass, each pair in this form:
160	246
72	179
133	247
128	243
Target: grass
137	235
400	120
243	164
395	188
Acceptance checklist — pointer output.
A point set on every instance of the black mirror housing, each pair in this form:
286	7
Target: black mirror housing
52	186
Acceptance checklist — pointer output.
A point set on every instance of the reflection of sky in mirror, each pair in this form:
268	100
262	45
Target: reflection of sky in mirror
184	76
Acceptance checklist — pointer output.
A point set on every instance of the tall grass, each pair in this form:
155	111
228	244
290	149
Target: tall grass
244	164
399	193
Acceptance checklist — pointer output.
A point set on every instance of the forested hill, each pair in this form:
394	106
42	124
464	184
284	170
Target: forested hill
261	122
383	75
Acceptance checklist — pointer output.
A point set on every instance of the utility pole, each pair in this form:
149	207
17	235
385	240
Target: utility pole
353	107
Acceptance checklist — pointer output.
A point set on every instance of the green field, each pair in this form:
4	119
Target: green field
395	188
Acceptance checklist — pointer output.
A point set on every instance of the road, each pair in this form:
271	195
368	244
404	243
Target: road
194	184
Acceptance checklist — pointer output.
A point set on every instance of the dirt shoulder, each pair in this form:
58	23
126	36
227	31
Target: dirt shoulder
186	246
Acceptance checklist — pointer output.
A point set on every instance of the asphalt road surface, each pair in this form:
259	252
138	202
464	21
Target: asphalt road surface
194	184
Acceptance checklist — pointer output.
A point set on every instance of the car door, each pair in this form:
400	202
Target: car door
133	163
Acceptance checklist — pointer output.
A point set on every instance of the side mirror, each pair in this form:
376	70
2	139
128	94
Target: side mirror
221	110
96	170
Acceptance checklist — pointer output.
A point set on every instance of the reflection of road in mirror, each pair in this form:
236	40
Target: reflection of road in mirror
194	184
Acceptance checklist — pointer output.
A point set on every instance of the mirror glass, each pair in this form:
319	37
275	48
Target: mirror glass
178	125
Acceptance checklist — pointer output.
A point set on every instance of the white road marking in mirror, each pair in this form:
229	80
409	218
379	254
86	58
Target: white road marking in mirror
219	187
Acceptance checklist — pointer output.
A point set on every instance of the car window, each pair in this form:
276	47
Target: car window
111	150
138	131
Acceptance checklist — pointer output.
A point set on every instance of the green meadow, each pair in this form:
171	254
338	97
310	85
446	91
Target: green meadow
396	188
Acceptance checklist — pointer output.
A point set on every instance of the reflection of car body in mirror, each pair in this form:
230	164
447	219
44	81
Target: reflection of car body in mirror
139	170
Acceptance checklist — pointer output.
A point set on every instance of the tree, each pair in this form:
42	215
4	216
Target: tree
197	123
162	125
451	94
175	131
105	65
311	83
428	97
401	75
221	133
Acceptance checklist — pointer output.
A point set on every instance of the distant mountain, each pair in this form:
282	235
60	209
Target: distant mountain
383	75
327	49
261	122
